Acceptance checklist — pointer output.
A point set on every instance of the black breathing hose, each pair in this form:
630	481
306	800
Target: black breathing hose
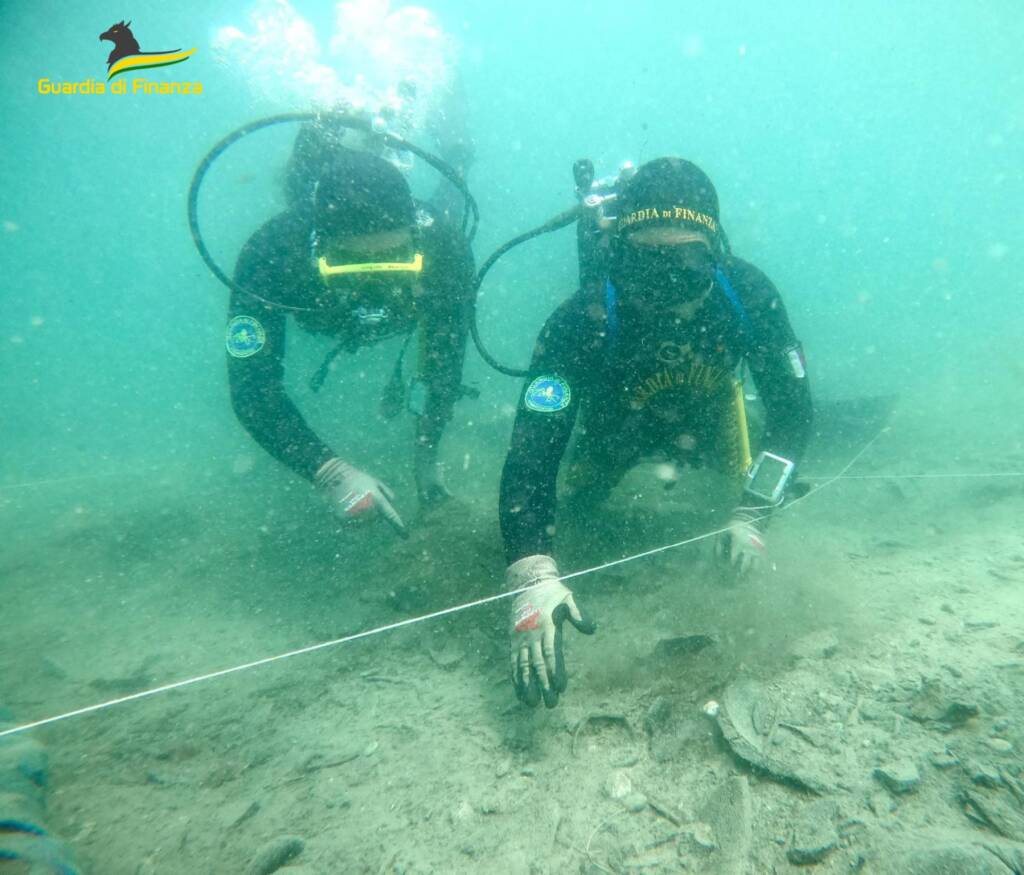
470	216
559	221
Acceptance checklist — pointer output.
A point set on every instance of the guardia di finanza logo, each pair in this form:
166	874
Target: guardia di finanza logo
126	57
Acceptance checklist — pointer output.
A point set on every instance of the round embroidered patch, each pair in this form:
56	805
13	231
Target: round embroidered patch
547	394
245	337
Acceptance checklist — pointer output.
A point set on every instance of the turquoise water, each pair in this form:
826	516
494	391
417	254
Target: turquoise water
867	156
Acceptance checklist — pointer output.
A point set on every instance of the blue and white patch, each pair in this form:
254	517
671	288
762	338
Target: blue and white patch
547	395
245	337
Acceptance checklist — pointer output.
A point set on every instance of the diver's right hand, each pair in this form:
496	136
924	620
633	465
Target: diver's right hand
538	664
356	496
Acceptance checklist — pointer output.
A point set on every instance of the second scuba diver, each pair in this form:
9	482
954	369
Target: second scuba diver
644	363
357	259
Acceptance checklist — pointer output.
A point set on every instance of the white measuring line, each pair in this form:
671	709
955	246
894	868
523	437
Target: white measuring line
322	645
923	476
177	685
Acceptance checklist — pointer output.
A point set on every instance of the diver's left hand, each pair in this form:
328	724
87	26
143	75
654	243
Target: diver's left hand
430	484
742	546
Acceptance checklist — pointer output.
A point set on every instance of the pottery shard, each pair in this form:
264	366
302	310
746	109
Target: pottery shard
728	812
747	718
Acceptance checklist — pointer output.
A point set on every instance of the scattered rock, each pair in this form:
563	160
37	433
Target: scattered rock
814	833
1000	745
993	810
275	854
946	858
899	777
635	802
702	836
982	773
943	759
873	711
618	785
939	709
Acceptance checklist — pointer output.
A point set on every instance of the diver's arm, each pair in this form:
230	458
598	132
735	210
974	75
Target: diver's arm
527	500
259	399
256	373
777	364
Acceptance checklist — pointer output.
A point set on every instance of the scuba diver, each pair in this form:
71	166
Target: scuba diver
355	258
645	361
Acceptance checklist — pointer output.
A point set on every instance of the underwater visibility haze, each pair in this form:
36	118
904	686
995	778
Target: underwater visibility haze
300	527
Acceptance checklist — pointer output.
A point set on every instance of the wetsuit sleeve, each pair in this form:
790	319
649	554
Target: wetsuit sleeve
527	500
256	369
443	330
777	364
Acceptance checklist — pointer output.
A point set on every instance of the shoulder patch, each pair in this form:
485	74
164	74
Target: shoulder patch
244	337
547	394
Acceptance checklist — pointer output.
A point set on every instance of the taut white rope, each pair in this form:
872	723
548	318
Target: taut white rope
366	633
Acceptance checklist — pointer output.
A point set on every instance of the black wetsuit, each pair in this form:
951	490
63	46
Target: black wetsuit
276	264
645	384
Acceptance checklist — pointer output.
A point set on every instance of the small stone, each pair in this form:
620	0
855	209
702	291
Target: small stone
275	854
618	785
900	776
1000	745
983	774
947	607
943	759
881	803
703	836
634	802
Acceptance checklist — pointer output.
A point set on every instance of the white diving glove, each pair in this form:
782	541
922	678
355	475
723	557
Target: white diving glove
538	664
356	496
741	546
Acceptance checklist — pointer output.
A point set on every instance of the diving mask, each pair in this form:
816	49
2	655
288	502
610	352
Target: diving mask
664	275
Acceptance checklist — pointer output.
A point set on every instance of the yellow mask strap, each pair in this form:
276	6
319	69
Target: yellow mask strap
414	266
